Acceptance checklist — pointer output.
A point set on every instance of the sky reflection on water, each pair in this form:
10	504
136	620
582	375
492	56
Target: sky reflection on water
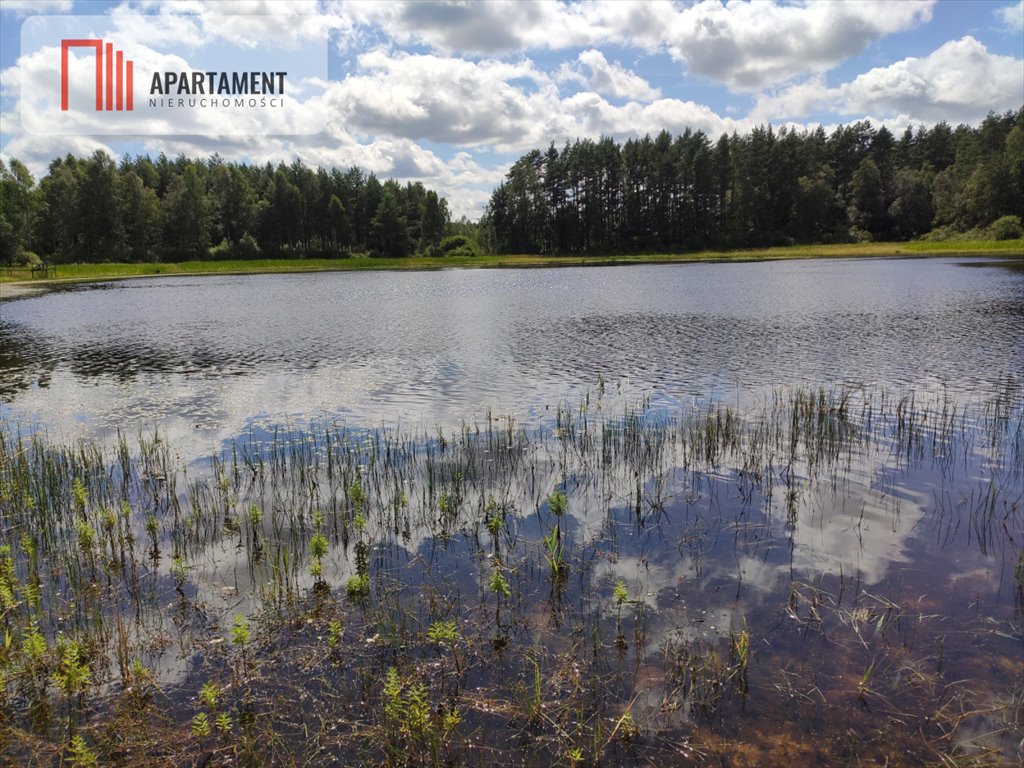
201	358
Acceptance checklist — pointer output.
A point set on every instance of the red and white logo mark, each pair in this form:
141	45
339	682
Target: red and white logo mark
118	77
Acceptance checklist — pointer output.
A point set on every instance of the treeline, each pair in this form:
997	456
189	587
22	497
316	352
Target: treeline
766	188
93	209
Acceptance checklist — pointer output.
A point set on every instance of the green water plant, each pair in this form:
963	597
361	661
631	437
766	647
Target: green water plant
554	553
620	596
201	725
358	587
412	721
334	633
240	634
224	723
739	643
73	674
558	504
209	694
9	583
499	584
447	636
80	755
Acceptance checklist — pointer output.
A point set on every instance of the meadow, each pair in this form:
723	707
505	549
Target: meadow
109	271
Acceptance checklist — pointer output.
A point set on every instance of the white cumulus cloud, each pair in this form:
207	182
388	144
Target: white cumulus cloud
505	26
794	101
451	100
246	23
749	46
960	82
1012	16
609	78
510	107
25	7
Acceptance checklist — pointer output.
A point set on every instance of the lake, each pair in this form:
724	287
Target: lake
695	514
202	358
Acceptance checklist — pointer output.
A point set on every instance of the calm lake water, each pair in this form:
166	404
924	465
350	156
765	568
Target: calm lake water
791	529
202	358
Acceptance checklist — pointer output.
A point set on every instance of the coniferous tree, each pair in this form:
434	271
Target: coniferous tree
99	215
389	231
765	188
434	221
142	217
186	217
17	204
338	218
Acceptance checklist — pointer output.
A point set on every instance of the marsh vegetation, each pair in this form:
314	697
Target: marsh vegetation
828	576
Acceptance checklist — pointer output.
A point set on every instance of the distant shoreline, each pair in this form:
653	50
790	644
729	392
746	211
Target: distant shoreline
13	285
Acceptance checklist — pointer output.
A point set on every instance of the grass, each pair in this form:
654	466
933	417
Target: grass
107	271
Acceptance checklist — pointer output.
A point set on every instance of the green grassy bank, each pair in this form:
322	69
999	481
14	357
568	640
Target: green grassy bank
69	272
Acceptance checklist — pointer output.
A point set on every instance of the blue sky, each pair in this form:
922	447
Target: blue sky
450	94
